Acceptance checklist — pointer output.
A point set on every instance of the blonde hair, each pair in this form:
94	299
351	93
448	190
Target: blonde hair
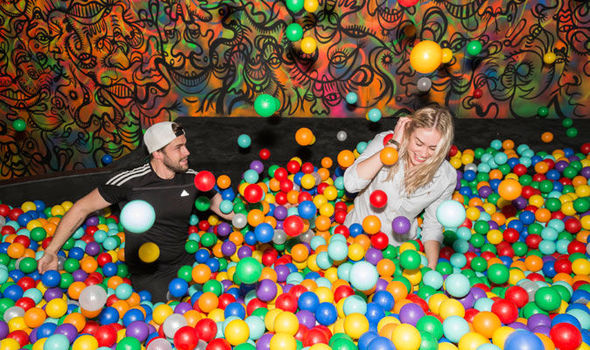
430	117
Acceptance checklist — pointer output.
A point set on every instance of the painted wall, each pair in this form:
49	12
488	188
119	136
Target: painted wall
86	76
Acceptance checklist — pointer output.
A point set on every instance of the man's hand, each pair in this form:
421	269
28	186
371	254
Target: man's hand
47	262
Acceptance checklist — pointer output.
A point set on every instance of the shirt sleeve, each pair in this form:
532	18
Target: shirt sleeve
432	230
112	193
352	181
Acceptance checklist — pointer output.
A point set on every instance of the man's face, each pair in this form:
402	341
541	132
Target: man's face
175	155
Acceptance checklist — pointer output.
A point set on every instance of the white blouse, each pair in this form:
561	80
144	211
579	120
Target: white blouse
426	198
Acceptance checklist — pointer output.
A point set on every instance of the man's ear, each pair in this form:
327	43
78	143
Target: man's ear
157	154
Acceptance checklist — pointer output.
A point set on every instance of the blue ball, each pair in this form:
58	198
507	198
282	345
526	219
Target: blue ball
307	210
244	141
355	229
374	312
352	98
384	299
45	330
109	269
308	301
13	292
450	213
51	278
381	343
132	315
108	315
202	255
178	287
213	264
527	217
566	318
326	314
250	238
365	340
374	115
107	159
264	232
235	309
523	340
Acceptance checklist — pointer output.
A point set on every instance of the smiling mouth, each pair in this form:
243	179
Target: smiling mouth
18	99
189	83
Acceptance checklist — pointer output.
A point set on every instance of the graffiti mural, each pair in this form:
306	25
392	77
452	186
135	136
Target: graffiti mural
83	77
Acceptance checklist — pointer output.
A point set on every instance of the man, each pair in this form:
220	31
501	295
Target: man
165	182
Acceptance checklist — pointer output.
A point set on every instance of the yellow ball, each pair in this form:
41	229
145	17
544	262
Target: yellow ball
308	46
406	337
237	332
331	193
270	318
446	55
17	324
495	236
320	346
355	325
28	206
581	267
286	322
582	191
39	344
500	335
536	200
57	210
9	344
456	163
149	252
308	181
324	294
471	341
161	312
549	58
56	308
85	342
568	208
435	301
472	213
446	346
310	5
356	252
327	209
426	56
451	307
282	341
585	221
406	246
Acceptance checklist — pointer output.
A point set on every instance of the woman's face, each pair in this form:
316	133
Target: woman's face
422	145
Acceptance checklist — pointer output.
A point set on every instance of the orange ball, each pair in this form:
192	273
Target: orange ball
299	252
541	167
508	144
326	162
533	263
304	136
345	158
388	155
398	290
223	181
255	217
547	137
323	223
543	215
34	317
88	264
15	250
201	273
371	224
75	289
77	320
208	302
486	323
510	189
385	267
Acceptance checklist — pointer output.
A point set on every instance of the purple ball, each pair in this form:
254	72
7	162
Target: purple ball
4	329
401	225
79	275
477	293
224	229
32	337
542	329
493	225
69	330
53	293
264	342
267	290
585	172
228	248
282	273
518	325
279	225
411	313
373	255
562	164
459	175
538	320
484	191
182	307
468	301
244	252
287	287
520	203
280	213
92	249
138	330
306	318
257	166
92	221
226	284
381	285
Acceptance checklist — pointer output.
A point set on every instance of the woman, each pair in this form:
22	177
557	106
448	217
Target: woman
420	180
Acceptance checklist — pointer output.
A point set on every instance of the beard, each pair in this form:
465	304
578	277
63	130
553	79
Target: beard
177	167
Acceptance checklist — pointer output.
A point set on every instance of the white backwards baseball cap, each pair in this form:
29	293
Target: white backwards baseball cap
159	135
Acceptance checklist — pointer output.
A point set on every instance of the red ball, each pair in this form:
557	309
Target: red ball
340	206
340	216
293	225
584	149
25	302
342	230
573	225
253	305
293	166
225	299
14	213
387	138
378	199
488	255
264	154
470	314
563	265
204	181
527	192
505	310
379	241
343	291
204	225
103	259
307	168
218	344
533	241
286	185
557	215
26	283
90	328
7	230
281	174
505	249
286	302
536	277
297	290
253	193
576	247
281	198
539	177
519	169
90	230
301	333
106	335
186	338
446	252
517	295
467	223
4	210
453	150
565	336
20	336
304	196
206	329
24	240
315	336
477	93
321	187
417	300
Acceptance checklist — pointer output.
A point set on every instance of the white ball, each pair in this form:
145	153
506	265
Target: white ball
341	135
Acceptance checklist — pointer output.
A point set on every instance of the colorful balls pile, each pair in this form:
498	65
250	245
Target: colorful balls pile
286	273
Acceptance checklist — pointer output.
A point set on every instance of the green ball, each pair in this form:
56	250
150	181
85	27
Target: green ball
208	239
66	280
520	248
222	264
245	346
260	312
582	205
265	105
481	226
295	5
531	309
27	265
38	234
564	293
498	274
343	344
294	32
569	172
425	292
474	47
410	260
248	270
430	325
202	203
128	343
525	180
445	268
547	298
185	273
71	265
213	286
122	270
191	246
19	125
546	186
390	252
567	122
477	240
553	204
479	264
542	111
571	132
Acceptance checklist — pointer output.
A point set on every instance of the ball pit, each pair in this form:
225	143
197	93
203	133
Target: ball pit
286	273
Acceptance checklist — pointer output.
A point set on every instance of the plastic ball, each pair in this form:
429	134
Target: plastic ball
341	135
248	270
310	5
351	98
549	58
304	136
137	216
204	181
374	115
378	199
19	125
406	337
446	55
149	252
237	332
510	189
424	84
93	298
426	56
244	141
401	225
364	276
523	340
265	105
294	33
107	159
308	45
295	5
457	285
474	47
451	213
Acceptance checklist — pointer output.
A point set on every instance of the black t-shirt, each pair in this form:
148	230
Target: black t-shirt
173	202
